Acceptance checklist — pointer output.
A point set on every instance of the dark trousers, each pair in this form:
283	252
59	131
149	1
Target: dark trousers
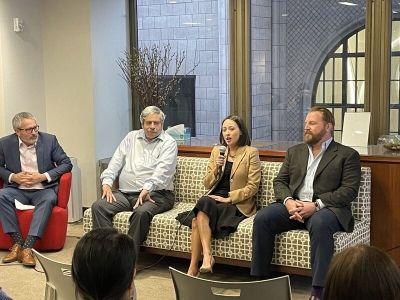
103	212
43	200
274	219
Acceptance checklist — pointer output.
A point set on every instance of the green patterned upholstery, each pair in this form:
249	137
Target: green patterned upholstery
291	249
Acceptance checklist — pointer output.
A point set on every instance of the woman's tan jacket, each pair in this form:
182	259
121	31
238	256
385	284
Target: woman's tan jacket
244	180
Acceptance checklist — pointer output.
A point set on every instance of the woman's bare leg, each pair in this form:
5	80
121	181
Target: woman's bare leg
195	250
205	238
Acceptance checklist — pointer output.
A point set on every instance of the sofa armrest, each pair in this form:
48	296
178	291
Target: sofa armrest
64	189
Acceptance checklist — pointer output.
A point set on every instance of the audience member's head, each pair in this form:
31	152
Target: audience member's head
362	272
103	265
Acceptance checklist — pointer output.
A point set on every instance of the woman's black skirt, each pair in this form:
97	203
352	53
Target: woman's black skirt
224	218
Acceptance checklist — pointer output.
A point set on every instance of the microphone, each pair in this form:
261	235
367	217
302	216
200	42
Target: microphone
222	150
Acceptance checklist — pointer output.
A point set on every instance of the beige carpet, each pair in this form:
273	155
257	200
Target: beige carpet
155	283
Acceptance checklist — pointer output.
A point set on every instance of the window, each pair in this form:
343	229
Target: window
198	29
394	106
341	82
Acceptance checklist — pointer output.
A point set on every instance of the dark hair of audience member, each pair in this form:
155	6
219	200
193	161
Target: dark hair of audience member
362	272
103	265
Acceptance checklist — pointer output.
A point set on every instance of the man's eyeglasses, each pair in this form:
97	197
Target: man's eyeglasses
30	130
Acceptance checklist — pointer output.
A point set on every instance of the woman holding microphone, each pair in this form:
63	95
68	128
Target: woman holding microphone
233	176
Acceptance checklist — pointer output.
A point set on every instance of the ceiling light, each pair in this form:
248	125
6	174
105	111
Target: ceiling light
191	23
347	3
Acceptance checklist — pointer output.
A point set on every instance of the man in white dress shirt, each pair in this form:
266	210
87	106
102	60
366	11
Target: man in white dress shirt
145	162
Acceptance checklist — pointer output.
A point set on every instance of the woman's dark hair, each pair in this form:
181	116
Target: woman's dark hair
103	265
244	138
362	272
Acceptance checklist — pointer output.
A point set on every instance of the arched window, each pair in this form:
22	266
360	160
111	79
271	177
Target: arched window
342	79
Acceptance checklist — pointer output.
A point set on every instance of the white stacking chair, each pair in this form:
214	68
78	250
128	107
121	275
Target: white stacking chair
59	284
195	288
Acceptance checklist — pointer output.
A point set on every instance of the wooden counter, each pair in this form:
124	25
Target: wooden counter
385	187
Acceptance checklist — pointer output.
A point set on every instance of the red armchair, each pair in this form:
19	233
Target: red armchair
56	231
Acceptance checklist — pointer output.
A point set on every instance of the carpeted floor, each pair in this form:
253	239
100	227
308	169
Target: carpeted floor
155	283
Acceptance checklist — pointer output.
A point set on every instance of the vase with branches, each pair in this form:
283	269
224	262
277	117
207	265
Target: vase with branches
154	73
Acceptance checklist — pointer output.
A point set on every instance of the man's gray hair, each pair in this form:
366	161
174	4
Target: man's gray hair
17	120
151	110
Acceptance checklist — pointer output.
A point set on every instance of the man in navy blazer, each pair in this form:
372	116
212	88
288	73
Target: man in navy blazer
31	162
314	189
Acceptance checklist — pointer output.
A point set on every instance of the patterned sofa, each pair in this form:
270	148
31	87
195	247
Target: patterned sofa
292	249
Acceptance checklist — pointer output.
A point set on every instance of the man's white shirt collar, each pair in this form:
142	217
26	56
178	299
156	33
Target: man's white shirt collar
324	145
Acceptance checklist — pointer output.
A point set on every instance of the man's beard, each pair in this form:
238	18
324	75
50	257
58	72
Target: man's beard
31	140
312	139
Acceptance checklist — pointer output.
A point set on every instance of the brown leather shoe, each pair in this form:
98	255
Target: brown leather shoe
13	255
26	258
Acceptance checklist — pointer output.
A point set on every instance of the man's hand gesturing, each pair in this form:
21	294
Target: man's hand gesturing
143	197
108	194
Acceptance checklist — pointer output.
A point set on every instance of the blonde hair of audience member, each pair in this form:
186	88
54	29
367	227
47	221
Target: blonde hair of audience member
103	266
362	272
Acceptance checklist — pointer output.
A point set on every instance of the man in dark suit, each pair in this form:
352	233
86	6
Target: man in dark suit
314	189
31	162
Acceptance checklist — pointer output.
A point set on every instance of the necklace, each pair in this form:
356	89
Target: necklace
232	155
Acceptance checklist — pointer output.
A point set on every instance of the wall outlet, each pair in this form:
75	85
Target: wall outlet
17	24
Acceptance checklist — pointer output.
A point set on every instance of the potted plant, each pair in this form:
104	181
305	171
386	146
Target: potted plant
153	73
